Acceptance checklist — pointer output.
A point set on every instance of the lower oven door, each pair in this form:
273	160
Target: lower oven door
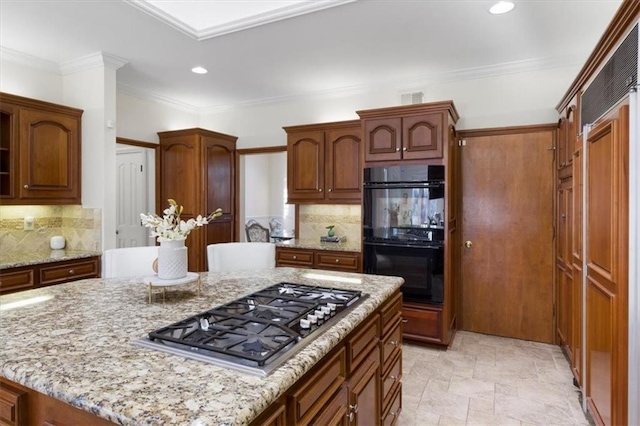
421	266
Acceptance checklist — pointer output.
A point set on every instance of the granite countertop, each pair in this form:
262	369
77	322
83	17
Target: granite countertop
75	343
28	258
312	244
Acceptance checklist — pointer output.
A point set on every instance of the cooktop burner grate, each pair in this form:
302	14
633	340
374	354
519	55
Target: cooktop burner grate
257	332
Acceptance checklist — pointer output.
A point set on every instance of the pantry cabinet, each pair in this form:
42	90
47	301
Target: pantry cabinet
197	170
40	159
407	133
324	163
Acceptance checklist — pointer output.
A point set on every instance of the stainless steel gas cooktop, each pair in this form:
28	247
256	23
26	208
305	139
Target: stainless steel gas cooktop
258	332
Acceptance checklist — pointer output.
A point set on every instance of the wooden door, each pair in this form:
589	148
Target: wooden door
606	255
49	156
422	136
305	166
507	190
344	164
382	139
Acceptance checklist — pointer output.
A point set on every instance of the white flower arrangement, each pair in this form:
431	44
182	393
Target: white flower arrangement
170	226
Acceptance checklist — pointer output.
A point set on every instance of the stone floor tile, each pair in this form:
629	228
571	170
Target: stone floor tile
450	421
482	405
479	418
445	404
473	388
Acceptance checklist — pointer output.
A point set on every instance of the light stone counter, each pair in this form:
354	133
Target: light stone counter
76	344
353	246
28	258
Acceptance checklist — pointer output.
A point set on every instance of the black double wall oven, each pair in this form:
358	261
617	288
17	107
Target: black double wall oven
403	228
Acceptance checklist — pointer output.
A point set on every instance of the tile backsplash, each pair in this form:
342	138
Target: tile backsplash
81	228
313	220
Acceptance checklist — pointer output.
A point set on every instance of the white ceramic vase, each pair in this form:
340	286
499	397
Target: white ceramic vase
172	260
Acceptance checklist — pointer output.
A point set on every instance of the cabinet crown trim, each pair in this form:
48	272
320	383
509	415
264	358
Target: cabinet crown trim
197	131
322	126
38	104
412	109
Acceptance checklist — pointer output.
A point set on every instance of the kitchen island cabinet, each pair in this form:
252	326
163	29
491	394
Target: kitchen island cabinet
82	354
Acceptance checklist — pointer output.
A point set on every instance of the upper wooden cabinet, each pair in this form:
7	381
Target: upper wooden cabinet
39	152
412	132
197	169
324	163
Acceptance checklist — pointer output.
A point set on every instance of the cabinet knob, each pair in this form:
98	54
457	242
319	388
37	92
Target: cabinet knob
393	343
295	257
330	190
394	378
397	149
392	414
404	149
72	271
337	260
354	408
320	190
26	187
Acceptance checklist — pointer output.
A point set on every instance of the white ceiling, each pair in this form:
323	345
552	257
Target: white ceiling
265	51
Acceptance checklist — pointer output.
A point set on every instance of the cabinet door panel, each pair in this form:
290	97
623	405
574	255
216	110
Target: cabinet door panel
179	176
422	136
344	164
49	155
305	165
219	163
15	280
383	139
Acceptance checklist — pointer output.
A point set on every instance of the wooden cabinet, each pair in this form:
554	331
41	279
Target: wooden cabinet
422	323
20	405
27	277
344	261
413	132
197	169
324	163
347	387
40	161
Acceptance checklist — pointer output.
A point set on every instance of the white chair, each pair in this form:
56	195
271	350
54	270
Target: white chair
224	257
130	261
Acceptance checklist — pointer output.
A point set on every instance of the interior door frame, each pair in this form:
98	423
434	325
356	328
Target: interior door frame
251	151
156	149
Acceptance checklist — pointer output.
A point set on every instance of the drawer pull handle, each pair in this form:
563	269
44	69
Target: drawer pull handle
405	321
72	271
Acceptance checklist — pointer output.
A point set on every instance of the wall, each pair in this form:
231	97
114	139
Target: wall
315	218
36	83
82	228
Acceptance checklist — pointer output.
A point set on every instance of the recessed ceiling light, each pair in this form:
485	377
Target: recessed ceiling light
199	70
501	7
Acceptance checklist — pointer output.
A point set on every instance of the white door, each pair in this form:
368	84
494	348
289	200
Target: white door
131	197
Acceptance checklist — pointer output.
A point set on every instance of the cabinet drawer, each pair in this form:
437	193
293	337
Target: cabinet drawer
299	258
335	412
391	380
391	344
391	313
13	405
422	323
365	339
337	261
308	400
393	413
69	271
14	280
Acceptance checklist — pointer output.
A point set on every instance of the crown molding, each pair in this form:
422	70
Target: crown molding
30	61
291	11
93	60
152	97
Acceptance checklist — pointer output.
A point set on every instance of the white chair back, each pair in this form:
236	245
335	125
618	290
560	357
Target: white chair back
225	257
130	261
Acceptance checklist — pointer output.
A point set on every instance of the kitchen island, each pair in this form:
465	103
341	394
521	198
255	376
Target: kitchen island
75	343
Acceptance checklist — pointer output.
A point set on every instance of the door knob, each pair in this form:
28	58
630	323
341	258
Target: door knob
468	244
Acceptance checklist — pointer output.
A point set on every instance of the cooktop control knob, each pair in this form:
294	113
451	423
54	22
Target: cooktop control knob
332	306
305	323
312	318
319	314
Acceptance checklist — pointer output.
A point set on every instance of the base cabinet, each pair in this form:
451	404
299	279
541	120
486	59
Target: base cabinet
422	323
330	260
347	387
28	277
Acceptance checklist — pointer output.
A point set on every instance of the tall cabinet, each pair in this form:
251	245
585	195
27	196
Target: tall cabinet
593	224
423	134
197	169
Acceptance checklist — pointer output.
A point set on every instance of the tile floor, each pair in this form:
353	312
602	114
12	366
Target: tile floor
488	380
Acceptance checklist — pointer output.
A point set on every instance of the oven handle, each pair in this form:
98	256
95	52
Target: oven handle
392	185
418	246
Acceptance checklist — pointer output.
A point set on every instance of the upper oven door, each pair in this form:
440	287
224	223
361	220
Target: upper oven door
405	211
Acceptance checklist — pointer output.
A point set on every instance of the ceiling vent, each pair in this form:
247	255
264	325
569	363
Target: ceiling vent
411	98
618	76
